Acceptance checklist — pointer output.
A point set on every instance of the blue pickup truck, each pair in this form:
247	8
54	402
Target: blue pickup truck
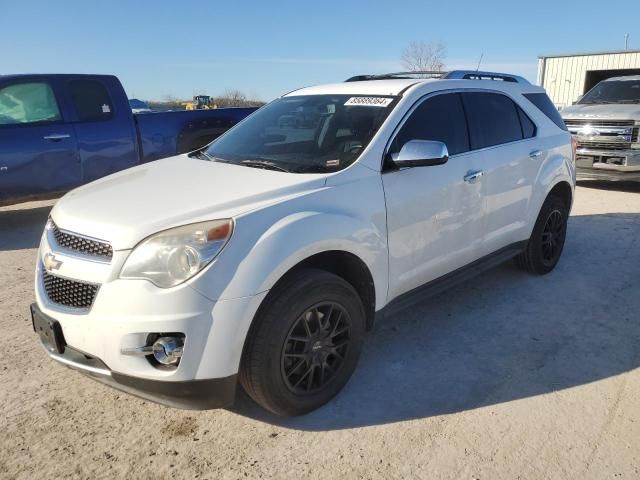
61	131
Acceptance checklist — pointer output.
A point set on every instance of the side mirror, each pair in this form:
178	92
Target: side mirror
421	153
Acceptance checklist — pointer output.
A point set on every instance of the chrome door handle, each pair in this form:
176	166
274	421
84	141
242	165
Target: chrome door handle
472	177
535	153
54	137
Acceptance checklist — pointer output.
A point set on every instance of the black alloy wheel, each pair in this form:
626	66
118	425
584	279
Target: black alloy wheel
315	348
553	237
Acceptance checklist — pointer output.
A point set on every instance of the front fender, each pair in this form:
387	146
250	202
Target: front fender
240	278
255	264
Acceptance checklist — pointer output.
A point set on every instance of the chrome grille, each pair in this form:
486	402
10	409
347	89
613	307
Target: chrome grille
605	145
80	244
601	123
604	134
69	293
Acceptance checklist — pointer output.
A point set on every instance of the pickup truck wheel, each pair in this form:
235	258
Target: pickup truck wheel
304	344
547	239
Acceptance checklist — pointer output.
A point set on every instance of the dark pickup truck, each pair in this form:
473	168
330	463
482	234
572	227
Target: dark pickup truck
61	131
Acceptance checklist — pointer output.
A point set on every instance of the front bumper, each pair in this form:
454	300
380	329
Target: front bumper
188	394
617	165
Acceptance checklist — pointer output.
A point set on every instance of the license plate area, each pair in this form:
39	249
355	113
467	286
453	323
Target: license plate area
585	161
49	331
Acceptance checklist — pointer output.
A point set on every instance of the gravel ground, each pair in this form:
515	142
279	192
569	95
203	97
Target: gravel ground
505	376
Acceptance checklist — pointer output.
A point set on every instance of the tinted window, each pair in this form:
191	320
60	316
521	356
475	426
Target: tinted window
28	103
613	91
91	100
493	119
543	102
439	118
528	127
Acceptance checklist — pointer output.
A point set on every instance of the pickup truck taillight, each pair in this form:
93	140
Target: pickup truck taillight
574	148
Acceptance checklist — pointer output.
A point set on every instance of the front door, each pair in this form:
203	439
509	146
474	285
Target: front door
434	213
38	154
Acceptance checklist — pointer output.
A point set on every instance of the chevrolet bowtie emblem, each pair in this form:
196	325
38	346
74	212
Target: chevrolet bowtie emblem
51	262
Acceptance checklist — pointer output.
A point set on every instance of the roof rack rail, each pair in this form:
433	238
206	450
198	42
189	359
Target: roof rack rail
398	75
478	75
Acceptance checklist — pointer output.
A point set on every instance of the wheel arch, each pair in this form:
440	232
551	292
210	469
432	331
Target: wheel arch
347	266
562	190
554	176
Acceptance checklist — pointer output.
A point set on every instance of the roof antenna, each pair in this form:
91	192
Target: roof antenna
480	61
626	41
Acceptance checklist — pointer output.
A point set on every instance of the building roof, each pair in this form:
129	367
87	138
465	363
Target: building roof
586	54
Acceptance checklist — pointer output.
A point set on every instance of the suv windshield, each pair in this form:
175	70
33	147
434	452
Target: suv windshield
613	91
304	134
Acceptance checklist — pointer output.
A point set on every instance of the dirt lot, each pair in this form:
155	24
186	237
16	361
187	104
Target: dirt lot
506	376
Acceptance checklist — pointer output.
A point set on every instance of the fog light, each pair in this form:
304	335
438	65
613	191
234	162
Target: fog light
167	350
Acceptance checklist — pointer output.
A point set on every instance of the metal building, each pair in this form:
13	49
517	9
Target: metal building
567	77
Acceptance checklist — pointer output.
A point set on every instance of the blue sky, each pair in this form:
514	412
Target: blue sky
269	47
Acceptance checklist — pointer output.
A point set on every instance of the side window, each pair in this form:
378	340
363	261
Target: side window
544	104
31	102
493	119
91	100
528	127
440	118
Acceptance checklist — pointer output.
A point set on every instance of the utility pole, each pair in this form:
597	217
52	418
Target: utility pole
626	41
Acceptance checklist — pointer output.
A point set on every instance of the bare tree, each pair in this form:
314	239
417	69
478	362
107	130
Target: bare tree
236	98
424	56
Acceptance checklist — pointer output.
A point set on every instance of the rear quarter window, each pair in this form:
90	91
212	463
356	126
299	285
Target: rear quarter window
528	127
91	100
544	104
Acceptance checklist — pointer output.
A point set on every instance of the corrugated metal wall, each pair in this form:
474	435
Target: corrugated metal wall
564	77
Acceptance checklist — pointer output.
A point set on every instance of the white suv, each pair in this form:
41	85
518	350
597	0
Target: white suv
265	257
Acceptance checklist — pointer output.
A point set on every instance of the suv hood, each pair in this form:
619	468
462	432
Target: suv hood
128	206
609	111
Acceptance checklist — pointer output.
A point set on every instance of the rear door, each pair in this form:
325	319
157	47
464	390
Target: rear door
434	214
38	152
103	123
505	136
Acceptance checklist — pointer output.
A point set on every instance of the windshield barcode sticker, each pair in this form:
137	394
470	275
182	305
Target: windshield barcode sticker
369	101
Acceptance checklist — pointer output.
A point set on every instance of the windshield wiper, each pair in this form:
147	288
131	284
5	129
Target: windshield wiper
202	155
267	165
629	101
597	102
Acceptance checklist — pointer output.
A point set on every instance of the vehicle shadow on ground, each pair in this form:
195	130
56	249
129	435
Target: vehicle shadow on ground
22	228
632	187
503	336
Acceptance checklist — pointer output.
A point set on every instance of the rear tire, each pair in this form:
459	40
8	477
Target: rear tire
544	248
304	344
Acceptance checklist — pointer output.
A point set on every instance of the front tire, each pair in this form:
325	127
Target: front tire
304	344
545	246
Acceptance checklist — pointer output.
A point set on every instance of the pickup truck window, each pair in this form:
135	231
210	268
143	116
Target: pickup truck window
91	100
493	119
304	134
439	118
30	102
613	91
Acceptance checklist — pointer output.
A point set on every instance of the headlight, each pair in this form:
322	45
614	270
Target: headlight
171	257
